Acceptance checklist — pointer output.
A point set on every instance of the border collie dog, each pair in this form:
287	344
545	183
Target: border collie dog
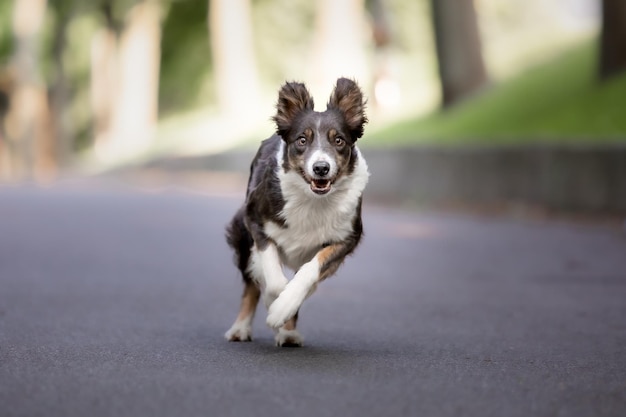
303	206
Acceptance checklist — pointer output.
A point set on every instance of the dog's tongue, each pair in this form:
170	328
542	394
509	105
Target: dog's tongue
320	186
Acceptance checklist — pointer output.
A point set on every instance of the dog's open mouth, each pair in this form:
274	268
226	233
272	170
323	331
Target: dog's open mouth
320	186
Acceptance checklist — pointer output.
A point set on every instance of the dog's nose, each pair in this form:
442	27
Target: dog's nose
321	168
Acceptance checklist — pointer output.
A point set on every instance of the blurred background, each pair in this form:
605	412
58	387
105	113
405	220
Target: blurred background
98	84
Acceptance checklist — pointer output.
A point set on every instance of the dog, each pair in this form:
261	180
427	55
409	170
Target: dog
302	208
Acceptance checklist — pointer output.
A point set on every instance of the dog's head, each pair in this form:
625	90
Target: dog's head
320	145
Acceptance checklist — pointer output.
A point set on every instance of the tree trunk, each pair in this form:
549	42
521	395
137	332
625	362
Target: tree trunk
136	108
457	40
230	32
104	79
31	142
339	48
613	38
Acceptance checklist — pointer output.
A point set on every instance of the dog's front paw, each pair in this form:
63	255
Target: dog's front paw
283	308
288	338
239	332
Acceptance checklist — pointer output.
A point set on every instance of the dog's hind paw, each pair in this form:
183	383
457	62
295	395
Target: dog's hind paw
239	332
288	338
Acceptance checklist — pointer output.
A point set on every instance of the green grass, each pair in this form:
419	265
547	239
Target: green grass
558	101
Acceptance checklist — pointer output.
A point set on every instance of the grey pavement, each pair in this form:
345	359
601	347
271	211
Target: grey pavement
114	301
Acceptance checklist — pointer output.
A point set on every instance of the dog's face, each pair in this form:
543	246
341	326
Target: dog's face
320	145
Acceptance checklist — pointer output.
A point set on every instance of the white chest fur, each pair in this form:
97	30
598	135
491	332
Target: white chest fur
312	220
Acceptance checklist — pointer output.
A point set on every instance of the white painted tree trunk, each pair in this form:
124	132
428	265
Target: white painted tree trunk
341	35
134	114
234	63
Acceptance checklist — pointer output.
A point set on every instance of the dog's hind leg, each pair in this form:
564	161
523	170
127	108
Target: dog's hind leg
238	237
287	335
241	330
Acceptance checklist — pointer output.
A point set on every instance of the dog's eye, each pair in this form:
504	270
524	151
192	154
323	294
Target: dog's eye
339	142
301	141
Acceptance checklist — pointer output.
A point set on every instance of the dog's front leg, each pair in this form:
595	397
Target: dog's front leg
271	276
304	283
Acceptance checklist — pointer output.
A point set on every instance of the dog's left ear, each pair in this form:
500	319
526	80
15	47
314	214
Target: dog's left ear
348	99
293	99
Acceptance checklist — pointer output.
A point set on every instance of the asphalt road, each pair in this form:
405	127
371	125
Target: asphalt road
113	302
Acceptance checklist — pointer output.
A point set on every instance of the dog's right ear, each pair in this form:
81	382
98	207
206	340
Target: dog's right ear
293	98
347	98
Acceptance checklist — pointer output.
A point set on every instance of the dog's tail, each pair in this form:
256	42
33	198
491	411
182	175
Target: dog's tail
239	238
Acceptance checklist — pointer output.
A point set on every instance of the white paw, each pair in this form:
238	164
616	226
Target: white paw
239	332
284	307
288	338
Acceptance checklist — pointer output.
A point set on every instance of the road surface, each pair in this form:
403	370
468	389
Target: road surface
114	301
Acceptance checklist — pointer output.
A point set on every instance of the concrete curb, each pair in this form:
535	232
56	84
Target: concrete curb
560	177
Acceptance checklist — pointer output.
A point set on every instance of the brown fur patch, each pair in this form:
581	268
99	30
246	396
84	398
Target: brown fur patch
329	259
249	301
291	324
326	253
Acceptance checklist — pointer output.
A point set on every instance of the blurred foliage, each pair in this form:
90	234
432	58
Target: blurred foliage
559	100
556	99
185	56
77	67
285	26
6	42
284	31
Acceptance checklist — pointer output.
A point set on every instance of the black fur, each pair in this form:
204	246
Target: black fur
264	201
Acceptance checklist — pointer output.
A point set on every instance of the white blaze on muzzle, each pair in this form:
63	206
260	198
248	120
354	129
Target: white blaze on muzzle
321	168
317	160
